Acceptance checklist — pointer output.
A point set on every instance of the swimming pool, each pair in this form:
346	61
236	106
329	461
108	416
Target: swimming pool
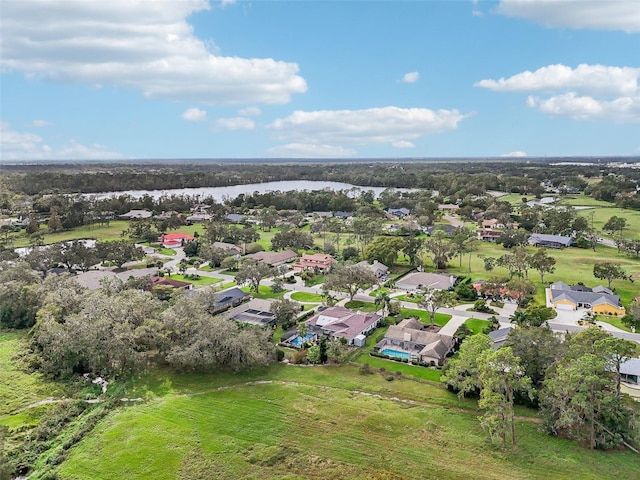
298	341
395	353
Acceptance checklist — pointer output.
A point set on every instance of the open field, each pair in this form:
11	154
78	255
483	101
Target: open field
98	232
573	265
19	389
320	423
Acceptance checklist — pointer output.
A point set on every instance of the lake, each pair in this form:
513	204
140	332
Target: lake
221	193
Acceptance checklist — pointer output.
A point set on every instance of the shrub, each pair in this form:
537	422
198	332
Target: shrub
365	369
299	356
389	378
480	306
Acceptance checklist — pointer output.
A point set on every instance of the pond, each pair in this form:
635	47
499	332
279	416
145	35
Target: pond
221	193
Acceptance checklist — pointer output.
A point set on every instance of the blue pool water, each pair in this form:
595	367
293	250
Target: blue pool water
394	353
298	341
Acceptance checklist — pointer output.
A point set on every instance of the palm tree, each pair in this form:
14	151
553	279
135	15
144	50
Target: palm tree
520	318
383	299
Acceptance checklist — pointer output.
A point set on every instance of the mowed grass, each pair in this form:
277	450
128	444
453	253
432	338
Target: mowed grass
322	423
392	366
573	265
306	297
19	389
440	319
476	325
201	282
113	231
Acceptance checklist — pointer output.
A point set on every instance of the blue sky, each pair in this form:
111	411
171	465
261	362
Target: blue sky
86	79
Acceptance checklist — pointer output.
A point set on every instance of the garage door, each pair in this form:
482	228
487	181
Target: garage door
565	307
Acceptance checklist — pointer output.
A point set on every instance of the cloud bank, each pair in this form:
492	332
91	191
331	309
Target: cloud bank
577	14
29	146
145	45
587	92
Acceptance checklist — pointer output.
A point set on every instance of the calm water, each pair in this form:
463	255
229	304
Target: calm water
221	193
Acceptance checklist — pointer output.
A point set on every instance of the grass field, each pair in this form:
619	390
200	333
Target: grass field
391	366
573	265
440	319
320	423
264	292
362	306
203	281
306	297
476	325
19	389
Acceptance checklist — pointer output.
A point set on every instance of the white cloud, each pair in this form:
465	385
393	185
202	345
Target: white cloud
305	150
621	110
39	124
146	45
360	127
28	146
194	115
250	112
595	15
593	79
587	92
517	153
411	77
236	123
403	144
224	3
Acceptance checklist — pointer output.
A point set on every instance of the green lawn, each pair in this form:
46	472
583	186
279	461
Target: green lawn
98	232
408	298
441	319
476	325
362	306
264	292
18	388
203	281
320	423
615	321
573	265
391	366
306	297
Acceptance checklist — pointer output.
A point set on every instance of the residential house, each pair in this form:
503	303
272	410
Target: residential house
254	312
167	215
409	338
380	270
550	241
274	258
492	223
198	218
317	262
399	212
235	217
448	207
169	282
229	248
488	235
340	322
136	214
599	299
500	336
174	240
227	299
343	215
423	280
630	371
447	229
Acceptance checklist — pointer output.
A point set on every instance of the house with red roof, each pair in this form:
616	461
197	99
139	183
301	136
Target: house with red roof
318	262
340	322
173	240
